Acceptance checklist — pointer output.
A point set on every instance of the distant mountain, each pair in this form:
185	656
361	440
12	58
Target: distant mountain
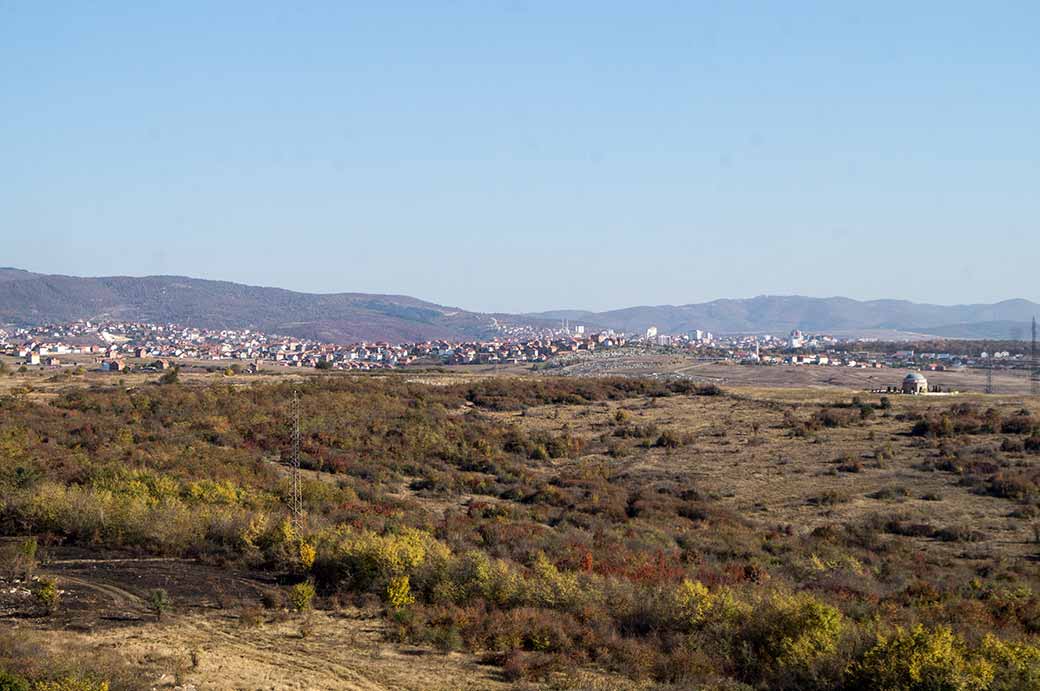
28	298
780	314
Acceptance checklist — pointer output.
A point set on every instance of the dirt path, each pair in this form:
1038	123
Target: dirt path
119	597
343	651
207	643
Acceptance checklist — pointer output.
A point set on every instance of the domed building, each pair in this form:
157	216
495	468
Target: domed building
915	383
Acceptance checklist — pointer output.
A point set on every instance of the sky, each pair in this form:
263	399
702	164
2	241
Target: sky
521	156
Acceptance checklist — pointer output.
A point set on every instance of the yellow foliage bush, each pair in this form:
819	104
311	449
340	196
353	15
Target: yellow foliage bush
553	588
211	492
921	659
301	596
1016	665
695	605
307	555
791	632
399	592
368	558
71	684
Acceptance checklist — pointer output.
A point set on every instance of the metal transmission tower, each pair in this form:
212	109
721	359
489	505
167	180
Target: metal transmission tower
1034	366
296	500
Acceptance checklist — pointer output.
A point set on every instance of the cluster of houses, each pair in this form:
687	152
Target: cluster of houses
111	346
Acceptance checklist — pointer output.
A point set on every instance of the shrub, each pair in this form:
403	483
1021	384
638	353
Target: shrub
787	634
76	683
668	440
919	659
171	377
10	682
159	603
1016	665
695	606
399	592
301	596
47	595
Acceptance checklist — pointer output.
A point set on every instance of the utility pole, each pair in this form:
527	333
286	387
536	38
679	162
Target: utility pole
1034	366
296	500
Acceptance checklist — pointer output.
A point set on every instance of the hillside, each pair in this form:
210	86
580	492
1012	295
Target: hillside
27	298
779	314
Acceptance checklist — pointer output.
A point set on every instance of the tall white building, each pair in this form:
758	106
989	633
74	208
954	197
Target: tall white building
651	333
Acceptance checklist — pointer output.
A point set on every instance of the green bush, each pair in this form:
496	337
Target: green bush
10	682
159	603
47	595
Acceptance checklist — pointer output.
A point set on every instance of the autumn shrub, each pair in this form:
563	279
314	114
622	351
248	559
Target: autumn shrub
1016	666
919	659
787	635
72	683
301	596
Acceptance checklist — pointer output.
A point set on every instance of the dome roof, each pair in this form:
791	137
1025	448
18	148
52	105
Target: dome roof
914	376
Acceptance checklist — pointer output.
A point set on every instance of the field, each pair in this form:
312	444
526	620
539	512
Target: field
491	531
631	362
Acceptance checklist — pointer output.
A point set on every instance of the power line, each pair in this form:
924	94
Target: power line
296	500
1034	365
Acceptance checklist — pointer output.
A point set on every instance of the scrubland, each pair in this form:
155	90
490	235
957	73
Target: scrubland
585	533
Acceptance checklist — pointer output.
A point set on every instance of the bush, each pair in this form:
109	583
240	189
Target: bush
301	596
171	377
10	682
919	659
399	592
159	603
76	683
47	595
668	440
695	606
1016	665
787	634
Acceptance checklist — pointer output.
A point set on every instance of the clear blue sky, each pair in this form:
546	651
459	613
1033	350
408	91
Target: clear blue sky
529	155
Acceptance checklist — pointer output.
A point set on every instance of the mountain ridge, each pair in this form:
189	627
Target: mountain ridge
28	298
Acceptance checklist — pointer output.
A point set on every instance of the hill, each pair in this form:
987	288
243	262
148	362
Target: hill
779	314
27	298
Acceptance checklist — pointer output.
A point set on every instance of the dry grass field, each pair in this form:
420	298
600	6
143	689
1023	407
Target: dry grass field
635	363
758	490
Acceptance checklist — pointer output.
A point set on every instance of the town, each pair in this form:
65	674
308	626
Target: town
117	346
